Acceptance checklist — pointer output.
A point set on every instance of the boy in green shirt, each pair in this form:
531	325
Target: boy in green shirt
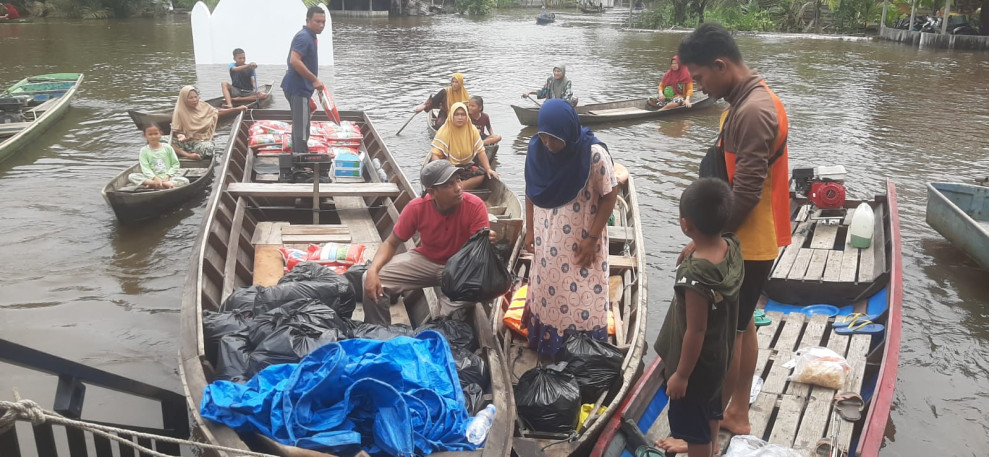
698	335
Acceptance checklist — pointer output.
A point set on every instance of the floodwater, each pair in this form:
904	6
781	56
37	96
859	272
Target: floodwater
78	285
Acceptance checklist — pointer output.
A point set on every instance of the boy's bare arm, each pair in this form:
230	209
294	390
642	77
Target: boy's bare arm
693	339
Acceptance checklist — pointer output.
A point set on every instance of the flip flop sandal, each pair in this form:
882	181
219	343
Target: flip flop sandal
760	319
849	406
861	327
823	449
850	319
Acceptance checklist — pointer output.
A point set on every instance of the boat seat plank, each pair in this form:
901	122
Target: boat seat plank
767	334
762	361
785	427
802	213
818	261
615	262
620	234
824	236
800	264
760	411
849	264
814	424
832	268
872	260
617	111
775	382
786	261
792	327
251	189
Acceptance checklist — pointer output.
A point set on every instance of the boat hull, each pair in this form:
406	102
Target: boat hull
163	118
33	129
228	244
959	213
789	413
132	207
626	110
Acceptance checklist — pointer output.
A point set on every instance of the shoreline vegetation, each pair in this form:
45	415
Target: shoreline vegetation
825	17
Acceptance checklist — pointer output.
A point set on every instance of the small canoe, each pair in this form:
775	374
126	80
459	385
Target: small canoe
250	216
793	414
628	110
20	20
163	117
629	309
490	149
32	105
586	10
544	19
133	203
960	213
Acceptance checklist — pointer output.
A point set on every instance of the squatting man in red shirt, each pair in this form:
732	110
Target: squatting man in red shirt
445	218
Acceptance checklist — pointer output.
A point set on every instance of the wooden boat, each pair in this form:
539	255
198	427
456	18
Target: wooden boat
250	216
793	414
629	307
959	213
163	117
591	10
490	149
20	20
546	18
32	105
627	110
132	203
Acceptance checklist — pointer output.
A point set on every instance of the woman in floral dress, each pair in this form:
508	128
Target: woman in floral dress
570	189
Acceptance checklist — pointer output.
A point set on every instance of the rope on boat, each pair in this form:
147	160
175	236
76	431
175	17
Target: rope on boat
28	410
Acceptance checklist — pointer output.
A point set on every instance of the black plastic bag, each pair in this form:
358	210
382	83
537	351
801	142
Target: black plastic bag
290	343
475	273
301	311
458	333
242	299
233	356
355	275
548	400
596	365
381	332
218	325
471	368
312	280
473	398
713	164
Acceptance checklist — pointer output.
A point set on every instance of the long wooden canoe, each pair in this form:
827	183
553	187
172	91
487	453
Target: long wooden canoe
163	117
490	149
629	308
133	204
960	213
250	216
793	414
626	110
43	99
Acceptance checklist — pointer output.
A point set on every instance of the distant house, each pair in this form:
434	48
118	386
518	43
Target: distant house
360	8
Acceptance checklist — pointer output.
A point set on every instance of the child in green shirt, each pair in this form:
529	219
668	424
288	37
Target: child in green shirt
159	164
698	335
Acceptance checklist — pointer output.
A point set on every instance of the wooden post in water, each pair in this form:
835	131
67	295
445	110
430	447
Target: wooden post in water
913	15
944	18
882	23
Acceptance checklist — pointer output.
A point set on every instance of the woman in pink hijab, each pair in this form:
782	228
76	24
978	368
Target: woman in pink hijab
675	88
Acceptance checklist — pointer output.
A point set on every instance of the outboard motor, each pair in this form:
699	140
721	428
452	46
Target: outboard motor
824	186
10	110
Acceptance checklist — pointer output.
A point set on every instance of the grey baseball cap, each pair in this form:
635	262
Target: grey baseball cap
435	173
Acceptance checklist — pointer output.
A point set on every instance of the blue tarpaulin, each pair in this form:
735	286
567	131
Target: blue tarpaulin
398	397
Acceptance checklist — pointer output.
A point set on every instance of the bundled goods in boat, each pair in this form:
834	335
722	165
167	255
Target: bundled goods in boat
548	400
457	332
339	257
819	366
516	309
595	365
380	332
275	137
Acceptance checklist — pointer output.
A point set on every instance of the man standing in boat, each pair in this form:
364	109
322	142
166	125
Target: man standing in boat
301	76
753	137
445	218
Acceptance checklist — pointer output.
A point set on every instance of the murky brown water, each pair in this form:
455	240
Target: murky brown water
77	284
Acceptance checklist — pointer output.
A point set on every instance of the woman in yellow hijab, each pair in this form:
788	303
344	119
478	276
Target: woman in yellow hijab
193	125
445	98
459	142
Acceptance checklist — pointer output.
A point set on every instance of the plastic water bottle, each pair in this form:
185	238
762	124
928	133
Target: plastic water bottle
477	430
862	226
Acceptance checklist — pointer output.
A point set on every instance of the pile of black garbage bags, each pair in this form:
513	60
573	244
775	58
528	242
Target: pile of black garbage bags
310	306
549	398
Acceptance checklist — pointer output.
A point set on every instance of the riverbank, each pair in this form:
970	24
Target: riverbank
935	40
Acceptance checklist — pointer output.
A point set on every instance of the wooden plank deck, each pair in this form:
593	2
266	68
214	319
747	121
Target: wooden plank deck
789	413
254	189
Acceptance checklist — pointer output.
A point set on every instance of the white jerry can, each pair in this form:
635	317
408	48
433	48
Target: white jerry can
863	226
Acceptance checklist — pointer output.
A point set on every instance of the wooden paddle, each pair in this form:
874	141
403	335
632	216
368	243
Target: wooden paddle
534	101
407	122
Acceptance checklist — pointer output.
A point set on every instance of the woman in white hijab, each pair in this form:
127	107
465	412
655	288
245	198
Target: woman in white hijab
557	86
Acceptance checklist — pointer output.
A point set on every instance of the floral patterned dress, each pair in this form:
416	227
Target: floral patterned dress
564	298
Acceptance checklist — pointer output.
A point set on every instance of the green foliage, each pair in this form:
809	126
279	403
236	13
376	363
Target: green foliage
475	7
659	18
743	17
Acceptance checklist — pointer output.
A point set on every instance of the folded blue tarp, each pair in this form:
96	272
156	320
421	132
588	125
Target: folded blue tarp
398	397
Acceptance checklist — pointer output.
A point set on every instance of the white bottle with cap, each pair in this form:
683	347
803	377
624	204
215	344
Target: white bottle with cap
863	226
